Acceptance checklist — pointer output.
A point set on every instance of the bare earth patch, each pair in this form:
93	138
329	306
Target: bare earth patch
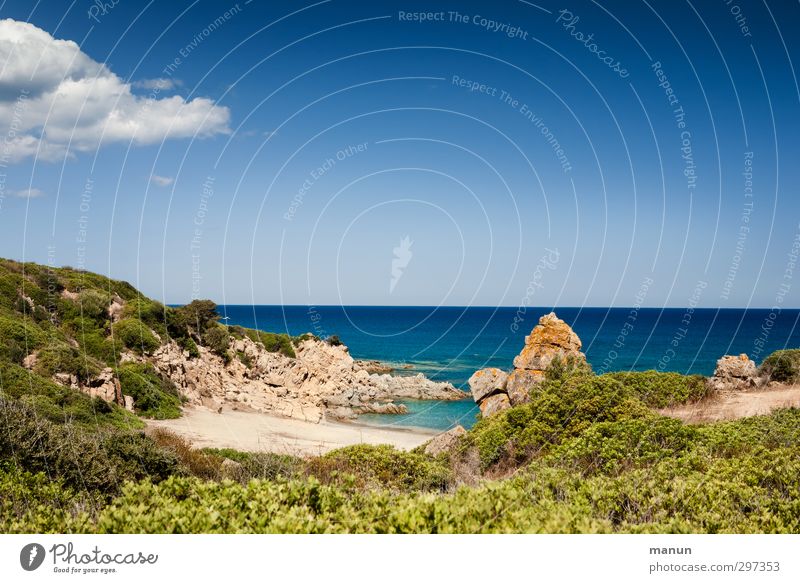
735	405
250	431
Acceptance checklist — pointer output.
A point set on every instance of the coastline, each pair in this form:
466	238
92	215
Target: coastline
260	432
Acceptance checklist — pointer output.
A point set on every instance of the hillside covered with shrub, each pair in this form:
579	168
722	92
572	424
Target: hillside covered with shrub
586	453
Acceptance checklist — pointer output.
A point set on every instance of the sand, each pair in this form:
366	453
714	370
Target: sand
736	405
248	431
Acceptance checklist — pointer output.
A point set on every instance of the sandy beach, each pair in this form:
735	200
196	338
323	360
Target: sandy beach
249	431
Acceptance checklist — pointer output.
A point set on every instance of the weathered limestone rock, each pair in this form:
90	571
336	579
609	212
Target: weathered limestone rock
552	338
487	381
322	380
445	442
735	373
519	385
494	404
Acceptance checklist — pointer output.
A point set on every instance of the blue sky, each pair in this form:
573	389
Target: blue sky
283	152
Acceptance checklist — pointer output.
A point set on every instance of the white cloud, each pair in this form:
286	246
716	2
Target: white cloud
160	83
55	101
161	180
27	193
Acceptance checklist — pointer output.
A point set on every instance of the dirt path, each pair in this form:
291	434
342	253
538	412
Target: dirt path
247	431
737	405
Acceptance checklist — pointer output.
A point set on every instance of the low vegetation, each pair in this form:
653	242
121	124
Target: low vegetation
588	454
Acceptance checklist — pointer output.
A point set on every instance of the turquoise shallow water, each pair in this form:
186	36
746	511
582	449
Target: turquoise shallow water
450	343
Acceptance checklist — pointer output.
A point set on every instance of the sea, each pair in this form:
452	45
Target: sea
450	343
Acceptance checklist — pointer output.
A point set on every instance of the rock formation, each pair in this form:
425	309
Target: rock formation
445	442
551	339
323	380
735	373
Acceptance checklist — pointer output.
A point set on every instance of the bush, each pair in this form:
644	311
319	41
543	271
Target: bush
218	340
96	461
19	337
60	404
198	315
60	357
261	465
153	395
381	466
33	503
782	366
135	335
559	409
662	389
189	346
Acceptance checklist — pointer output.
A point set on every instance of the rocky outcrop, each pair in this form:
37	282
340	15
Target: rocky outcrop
550	340
735	373
104	385
322	380
374	366
486	382
445	442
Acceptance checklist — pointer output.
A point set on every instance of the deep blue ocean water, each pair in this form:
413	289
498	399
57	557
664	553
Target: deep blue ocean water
450	343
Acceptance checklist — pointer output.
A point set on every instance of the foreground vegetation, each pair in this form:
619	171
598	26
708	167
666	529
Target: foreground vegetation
587	454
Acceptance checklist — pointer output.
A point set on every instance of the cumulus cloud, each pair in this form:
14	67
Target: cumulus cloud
161	180
160	83
55	100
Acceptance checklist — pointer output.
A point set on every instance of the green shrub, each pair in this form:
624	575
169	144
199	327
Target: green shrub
94	460
33	503
60	357
662	389
135	335
612	447
189	346
782	366
60	404
381	466
559	409
218	340
20	337
153	395
197	315
261	465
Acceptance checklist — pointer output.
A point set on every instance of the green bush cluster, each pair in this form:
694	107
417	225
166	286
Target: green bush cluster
381	466
135	335
60	404
282	343
662	389
782	366
96	459
558	409
153	395
218	340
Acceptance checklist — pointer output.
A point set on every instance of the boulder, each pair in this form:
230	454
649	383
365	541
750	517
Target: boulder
519	385
494	404
552	338
735	373
445	442
487	381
